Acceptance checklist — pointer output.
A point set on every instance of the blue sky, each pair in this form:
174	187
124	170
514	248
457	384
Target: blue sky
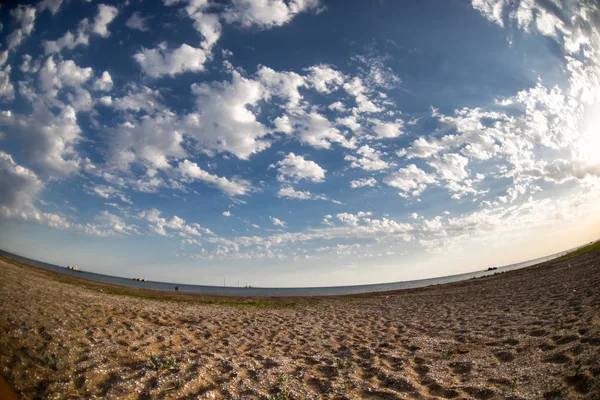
301	142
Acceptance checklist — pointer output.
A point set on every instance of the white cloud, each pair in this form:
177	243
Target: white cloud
375	73
104	17
325	79
226	213
104	83
561	170
152	140
136	21
451	167
107	192
210	28
337	106
105	100
291	193
277	222
25	17
18	185
106	225
224	121
410	180
363	182
68	40
51	5
176	225
48	138
368	159
26	64
297	168
356	88
160	61
205	23
281	84
7	90
19	188
99	27
350	122
235	187
313	129
385	130
491	9
423	148
139	98
266	13
71	75
3	57
65	75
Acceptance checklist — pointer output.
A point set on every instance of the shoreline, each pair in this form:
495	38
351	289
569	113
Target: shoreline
284	292
210	299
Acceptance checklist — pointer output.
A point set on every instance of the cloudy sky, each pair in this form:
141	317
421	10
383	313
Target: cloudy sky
298	142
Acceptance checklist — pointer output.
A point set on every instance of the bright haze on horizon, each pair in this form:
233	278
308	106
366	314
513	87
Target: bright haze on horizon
300	142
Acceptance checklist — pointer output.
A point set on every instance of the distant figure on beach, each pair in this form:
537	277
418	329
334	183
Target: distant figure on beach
177	288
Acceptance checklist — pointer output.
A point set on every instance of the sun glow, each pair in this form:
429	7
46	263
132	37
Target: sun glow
589	143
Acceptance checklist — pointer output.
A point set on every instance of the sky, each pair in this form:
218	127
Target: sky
298	142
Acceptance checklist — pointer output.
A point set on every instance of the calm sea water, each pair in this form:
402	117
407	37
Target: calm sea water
304	291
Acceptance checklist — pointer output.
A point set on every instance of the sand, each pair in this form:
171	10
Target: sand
527	334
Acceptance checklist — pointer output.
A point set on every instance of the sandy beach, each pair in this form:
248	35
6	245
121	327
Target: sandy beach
527	334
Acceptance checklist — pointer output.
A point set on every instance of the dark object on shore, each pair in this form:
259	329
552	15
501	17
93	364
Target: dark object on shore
492	268
6	392
177	288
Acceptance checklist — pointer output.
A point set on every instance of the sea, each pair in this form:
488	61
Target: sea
274	291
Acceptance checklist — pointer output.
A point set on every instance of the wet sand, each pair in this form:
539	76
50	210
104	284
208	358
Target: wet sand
526	334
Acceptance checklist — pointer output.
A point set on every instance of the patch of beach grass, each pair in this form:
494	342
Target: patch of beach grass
585	249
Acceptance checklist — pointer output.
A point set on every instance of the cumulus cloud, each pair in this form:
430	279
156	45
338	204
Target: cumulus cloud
235	187
175	225
297	168
107	192
24	17
51	5
363	182
99	26
313	129
107	224
7	90
325	78
266	13
281	84
49	138
290	193
368	159
561	170
152	140
18	185
138	98
410	180
226	213
19	188
364	104
386	130
136	21
451	167
162	61
223	121
491	9
105	16
104	83
277	222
